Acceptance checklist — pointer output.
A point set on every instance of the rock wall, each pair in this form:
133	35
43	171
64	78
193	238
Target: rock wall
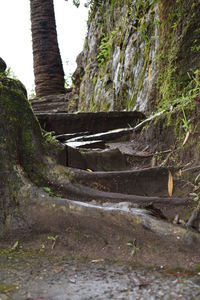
132	52
116	69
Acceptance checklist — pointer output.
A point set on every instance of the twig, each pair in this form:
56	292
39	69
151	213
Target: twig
168	156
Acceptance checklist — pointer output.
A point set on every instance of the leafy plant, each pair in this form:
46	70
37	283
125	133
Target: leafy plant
186	124
49	191
133	246
53	239
105	48
2	74
93	5
49	136
183	103
32	94
9	73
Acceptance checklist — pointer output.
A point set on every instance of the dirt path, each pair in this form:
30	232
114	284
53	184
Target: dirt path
118	215
30	276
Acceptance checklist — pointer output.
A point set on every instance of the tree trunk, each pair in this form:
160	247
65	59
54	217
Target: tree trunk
48	69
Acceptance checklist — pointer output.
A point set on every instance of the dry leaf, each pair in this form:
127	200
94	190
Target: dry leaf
170	184
186	137
89	170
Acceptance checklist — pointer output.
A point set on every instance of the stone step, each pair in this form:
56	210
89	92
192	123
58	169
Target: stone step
63	123
147	187
143	182
98	156
96	159
51	103
51	107
87	144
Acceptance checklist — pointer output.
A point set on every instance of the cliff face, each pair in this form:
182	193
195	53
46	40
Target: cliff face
137	53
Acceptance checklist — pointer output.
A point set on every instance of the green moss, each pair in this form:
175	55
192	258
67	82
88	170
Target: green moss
12	84
24	141
198	268
7	288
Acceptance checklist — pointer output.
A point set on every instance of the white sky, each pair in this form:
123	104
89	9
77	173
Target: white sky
15	36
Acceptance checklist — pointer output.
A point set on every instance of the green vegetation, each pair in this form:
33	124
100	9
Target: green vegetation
49	136
174	26
178	82
93	5
7	288
21	126
178	65
198	268
48	190
186	102
104	50
53	239
15	246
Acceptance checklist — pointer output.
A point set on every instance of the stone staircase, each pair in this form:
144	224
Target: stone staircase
92	140
105	147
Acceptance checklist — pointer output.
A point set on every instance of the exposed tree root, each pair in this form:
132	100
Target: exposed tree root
109	226
112	210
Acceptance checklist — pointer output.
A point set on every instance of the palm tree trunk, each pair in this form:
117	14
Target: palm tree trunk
48	69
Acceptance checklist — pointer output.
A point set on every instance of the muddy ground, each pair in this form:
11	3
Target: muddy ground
28	275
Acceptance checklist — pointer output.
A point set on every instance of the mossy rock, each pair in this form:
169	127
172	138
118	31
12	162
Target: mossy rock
21	143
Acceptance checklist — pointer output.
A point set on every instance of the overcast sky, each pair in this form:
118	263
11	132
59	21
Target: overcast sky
15	36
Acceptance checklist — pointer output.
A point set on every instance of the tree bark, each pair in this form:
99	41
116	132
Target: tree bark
48	69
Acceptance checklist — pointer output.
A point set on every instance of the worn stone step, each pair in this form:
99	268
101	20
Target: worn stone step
51	107
63	123
142	188
136	158
51	103
56	106
96	160
84	155
144	182
86	144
